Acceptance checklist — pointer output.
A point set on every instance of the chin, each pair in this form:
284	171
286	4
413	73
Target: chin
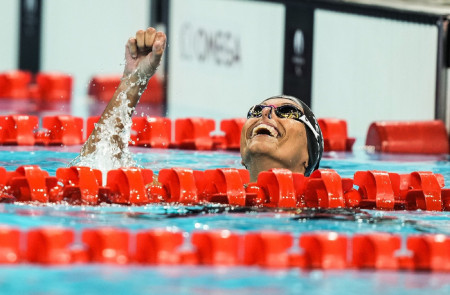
258	148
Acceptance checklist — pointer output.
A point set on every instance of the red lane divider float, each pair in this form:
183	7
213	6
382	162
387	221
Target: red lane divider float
47	87
335	136
102	88
376	190
158	247
30	184
62	130
180	185
15	84
278	188
107	245
49	246
80	185
422	137
54	86
127	185
269	249
155	132
376	251
9	245
216	247
18	129
325	250
224	185
429	137
232	129
324	190
152	132
430	252
426	191
194	133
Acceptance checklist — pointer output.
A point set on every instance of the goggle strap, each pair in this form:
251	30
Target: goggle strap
310	126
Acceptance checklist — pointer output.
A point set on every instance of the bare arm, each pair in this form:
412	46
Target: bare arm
143	55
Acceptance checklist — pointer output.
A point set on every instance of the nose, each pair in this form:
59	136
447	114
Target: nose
267	112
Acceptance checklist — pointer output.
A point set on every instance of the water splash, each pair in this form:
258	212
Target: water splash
113	136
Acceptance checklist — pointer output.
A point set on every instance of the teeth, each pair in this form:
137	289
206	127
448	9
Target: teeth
273	131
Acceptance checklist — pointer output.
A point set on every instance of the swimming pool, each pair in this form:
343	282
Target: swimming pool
184	279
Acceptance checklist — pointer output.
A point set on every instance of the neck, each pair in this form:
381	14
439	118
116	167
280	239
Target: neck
261	164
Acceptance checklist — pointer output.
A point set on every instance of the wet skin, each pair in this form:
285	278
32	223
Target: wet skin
143	55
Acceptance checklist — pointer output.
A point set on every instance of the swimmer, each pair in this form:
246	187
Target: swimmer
280	132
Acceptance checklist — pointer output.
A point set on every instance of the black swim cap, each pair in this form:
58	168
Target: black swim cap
313	134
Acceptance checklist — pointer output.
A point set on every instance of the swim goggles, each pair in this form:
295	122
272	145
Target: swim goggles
286	111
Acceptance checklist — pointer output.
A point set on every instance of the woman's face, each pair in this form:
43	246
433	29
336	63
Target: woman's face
282	141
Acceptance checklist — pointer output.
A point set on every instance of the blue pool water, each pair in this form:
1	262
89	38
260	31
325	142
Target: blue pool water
93	279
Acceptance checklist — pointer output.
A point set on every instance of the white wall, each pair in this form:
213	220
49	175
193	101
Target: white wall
207	81
87	37
9	34
367	69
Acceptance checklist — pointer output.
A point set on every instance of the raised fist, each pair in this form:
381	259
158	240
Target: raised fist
143	53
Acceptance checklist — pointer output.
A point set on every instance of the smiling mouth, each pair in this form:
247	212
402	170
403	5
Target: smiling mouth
264	129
